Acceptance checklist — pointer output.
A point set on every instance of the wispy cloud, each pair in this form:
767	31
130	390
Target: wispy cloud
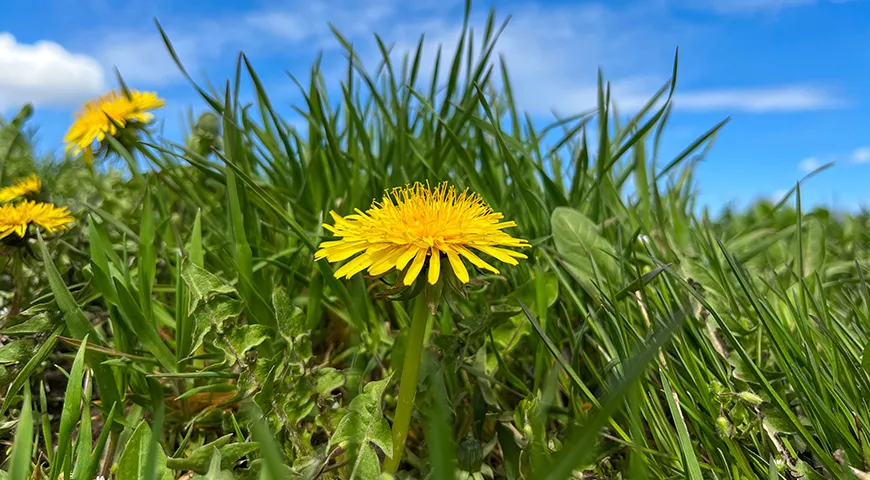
783	98
752	6
299	30
809	164
860	155
778	194
552	51
45	74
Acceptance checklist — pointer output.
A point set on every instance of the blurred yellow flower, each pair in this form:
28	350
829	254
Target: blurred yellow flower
415	223
16	218
103	116
21	188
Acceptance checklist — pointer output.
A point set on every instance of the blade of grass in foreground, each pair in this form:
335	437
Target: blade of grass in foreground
439	434
581	444
567	367
69	417
24	375
20	467
693	469
273	464
79	327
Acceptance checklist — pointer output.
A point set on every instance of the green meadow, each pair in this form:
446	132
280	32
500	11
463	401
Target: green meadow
181	328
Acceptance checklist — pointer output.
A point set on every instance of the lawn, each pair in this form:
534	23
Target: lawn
233	305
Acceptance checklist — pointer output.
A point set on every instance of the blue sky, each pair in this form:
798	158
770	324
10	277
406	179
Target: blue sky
791	73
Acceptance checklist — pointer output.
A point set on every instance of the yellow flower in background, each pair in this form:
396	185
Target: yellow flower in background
16	218
103	116
21	188
414	224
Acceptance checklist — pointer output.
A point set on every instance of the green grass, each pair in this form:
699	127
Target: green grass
182	326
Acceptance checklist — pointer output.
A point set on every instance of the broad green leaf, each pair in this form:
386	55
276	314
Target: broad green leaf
132	463
198	460
39	323
510	333
579	243
215	472
328	379
16	351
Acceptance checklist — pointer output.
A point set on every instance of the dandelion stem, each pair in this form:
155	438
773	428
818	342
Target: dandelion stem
408	383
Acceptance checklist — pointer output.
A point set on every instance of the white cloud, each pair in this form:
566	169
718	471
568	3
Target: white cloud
809	164
861	155
45	74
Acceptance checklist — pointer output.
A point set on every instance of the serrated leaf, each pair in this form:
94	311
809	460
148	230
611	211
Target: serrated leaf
290	318
202	284
382	436
367	465
364	425
243	338
350	427
328	379
212	315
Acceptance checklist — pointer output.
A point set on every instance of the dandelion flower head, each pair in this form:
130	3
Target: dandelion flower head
21	188
15	218
102	116
413	224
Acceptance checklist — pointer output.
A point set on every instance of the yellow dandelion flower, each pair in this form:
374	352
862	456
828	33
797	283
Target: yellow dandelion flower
103	116
29	185
16	218
415	223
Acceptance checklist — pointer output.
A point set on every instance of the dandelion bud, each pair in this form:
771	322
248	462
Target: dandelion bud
750	398
208	124
723	427
470	454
